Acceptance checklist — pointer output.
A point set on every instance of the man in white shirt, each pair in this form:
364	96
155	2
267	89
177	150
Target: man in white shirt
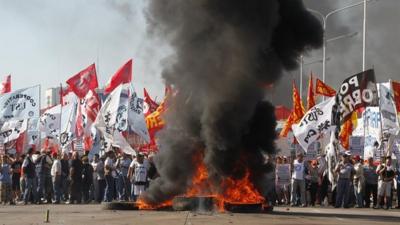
56	178
298	183
138	175
110	175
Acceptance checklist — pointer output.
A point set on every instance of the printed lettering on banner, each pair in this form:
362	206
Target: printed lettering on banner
357	91
317	121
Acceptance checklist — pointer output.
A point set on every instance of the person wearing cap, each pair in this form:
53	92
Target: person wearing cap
371	183
358	181
386	174
138	176
298	183
345	172
56	178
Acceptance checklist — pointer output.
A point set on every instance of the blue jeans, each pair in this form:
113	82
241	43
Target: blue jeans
57	188
123	187
30	188
109	192
359	196
342	193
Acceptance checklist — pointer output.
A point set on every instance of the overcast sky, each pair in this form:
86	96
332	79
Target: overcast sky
47	41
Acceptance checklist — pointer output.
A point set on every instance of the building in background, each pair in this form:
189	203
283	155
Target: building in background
52	97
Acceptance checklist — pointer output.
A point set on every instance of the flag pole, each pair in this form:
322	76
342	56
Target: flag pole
40	105
61	103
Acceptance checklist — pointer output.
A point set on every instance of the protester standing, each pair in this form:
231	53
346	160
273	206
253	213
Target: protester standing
29	173
371	183
138	176
345	172
110	175
314	177
386	175
358	181
5	180
323	178
43	167
75	173
56	173
87	179
99	182
65	176
122	166
15	177
298	183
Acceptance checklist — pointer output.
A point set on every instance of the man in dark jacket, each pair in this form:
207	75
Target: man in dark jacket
75	173
28	169
87	179
65	175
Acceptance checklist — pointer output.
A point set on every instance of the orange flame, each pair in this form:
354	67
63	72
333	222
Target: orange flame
145	206
241	191
231	190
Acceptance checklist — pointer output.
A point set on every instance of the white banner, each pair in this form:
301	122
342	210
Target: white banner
106	119
317	121
12	129
20	104
50	122
120	142
121	123
68	120
33	132
136	120
372	122
388	111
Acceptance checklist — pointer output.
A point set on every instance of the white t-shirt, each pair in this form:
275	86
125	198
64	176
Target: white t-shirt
298	170
140	172
56	168
110	163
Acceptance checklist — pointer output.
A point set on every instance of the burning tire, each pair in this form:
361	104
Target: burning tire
198	203
119	206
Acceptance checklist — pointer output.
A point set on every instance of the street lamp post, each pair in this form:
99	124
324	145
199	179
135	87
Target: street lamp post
302	64
324	19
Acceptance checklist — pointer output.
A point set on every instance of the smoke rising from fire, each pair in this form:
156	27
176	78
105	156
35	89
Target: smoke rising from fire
226	52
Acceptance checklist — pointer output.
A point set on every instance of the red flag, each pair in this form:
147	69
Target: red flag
298	108
84	81
5	86
323	89
122	76
310	94
347	130
150	104
396	94
288	126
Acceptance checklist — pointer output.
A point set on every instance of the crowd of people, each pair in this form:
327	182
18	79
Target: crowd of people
355	182
47	177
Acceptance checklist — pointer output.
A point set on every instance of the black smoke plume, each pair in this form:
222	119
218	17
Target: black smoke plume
225	53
